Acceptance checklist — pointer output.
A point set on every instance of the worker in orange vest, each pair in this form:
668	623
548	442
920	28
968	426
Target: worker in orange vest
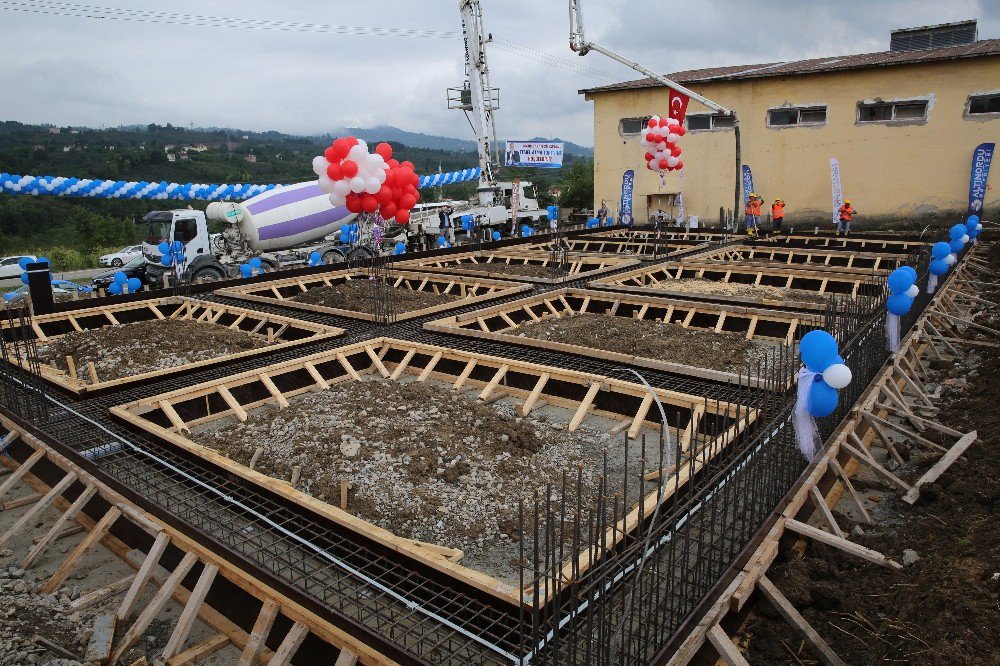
846	214
778	213
752	211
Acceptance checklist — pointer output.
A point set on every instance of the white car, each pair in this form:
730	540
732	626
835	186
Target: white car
121	257
9	268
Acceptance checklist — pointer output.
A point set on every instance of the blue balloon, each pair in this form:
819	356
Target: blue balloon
900	280
496	235
24	278
957	246
256	263
973	219
9	296
42	260
940	250
441	241
400	247
246	270
314	256
938	267
911	271
163	247
818	349
822	399
134	285
23	263
899	304
120	277
115	288
177	247
957	231
165	260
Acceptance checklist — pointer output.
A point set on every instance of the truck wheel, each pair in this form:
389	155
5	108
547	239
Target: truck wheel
332	257
268	266
207	274
360	254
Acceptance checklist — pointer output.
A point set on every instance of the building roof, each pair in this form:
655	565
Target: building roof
982	48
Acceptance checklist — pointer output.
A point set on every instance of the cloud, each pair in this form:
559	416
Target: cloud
82	71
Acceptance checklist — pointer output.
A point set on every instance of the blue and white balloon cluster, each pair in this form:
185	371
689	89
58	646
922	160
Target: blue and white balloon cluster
171	253
121	189
552	212
123	284
496	235
253	267
902	290
442	242
526	231
593	222
23	263
315	259
350	234
400	247
467	222
824	374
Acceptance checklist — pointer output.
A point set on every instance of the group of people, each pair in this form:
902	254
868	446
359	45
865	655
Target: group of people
755	202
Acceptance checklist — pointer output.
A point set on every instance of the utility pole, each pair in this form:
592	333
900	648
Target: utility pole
578	44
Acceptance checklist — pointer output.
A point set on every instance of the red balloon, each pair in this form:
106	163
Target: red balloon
407	201
389	210
647	157
351	142
340	149
663	164
675	150
350	168
409	188
651	124
403	216
331	155
334	172
369	204
396	193
407	165
415	179
663	122
680	165
384	195
390	177
353	202
417	196
393	163
680	131
385	150
650	137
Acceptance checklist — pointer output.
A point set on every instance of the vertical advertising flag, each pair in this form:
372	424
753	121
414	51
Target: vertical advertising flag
628	178
981	158
678	105
747	184
838	193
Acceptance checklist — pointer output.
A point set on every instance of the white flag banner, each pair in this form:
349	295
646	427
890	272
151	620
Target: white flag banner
838	193
542	154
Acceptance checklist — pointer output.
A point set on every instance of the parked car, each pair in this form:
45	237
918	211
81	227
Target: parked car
121	257
9	268
62	290
134	268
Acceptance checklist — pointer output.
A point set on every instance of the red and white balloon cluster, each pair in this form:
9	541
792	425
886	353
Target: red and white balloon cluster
660	140
367	182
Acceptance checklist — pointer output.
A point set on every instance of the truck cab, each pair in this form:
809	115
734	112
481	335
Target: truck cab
190	228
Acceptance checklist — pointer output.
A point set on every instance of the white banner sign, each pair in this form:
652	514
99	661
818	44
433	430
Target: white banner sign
838	194
543	154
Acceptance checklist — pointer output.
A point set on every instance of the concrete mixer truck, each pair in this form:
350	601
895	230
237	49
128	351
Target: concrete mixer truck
285	223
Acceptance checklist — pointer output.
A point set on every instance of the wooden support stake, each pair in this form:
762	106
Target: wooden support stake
824	510
640	416
875	467
273	390
31	514
290	645
21	501
728	652
426	372
465	373
529	403
846	480
581	411
843	544
171	414
256	456
149	613
377	362
931	475
873	420
99	595
196	653
795	619
143	574
56	530
344	487
89	541
233	403
500	374
21	471
71	364
346	364
258	635
346	658
190	612
92	371
401	366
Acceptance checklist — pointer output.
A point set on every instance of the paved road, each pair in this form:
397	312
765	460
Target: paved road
75	276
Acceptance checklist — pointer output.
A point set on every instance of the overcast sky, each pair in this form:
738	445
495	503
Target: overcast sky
82	71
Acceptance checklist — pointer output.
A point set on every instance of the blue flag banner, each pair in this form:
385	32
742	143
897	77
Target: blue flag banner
625	216
747	183
981	158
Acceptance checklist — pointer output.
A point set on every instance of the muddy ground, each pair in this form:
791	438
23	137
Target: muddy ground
358	296
942	608
729	352
703	286
132	349
425	462
527	270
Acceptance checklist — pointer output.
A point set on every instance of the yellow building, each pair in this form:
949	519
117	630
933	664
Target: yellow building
902	124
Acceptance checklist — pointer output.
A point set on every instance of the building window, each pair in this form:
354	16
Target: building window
632	126
884	112
814	115
984	104
709	121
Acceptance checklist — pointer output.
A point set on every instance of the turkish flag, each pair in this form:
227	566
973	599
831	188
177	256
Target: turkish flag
678	105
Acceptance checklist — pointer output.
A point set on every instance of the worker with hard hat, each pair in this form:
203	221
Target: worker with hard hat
845	213
778	213
752	212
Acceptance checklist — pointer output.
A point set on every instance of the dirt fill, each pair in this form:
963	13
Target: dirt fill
703	286
729	352
357	296
132	349
527	270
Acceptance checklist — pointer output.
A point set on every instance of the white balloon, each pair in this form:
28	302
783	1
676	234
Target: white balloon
325	183
913	291
341	188
357	184
837	375
372	185
965	238
979	226
336	199
363	145
357	154
672	161
652	165
661	146
380	176
950	259
319	165
673	138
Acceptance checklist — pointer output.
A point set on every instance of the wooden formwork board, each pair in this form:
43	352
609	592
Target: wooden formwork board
619	246
579	266
170	416
804	257
852	243
279	333
502	323
655	280
469	290
697	236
